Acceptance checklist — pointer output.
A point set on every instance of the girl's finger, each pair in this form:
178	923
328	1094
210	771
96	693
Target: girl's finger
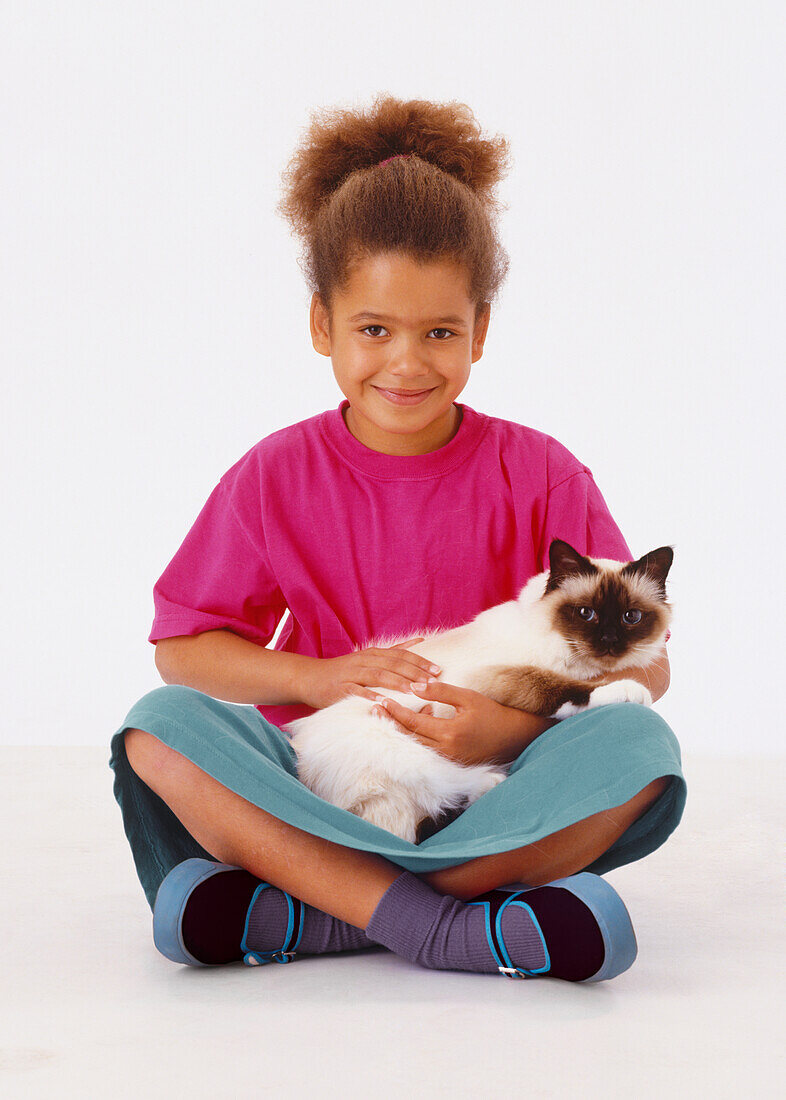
363	692
414	665
421	667
442	692
407	718
400	678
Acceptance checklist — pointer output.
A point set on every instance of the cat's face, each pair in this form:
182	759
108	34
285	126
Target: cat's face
605	610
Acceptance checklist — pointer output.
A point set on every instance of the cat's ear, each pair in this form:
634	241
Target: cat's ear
564	561
655	564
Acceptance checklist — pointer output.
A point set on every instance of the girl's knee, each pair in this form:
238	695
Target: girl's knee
145	752
169	694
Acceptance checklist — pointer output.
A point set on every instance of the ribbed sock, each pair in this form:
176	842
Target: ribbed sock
442	933
215	917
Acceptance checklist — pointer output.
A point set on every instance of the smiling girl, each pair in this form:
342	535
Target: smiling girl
400	511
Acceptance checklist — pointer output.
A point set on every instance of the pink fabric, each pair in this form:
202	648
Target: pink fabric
356	543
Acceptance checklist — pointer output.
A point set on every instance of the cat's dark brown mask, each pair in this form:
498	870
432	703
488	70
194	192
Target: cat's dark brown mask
606	609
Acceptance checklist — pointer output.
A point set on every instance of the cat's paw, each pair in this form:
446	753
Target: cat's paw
484	781
395	818
490	781
620	691
567	709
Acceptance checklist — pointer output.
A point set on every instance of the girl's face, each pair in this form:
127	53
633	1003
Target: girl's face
401	326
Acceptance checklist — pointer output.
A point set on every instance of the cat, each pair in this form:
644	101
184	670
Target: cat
546	652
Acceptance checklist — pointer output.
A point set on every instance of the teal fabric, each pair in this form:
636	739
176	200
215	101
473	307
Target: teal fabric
589	762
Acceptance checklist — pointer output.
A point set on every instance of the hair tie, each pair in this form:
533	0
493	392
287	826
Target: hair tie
393	158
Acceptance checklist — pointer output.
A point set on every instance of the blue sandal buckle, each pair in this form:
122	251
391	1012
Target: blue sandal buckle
259	958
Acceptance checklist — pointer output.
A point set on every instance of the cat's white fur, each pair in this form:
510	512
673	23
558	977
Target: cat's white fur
365	764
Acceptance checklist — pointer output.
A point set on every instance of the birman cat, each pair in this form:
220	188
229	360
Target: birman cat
546	652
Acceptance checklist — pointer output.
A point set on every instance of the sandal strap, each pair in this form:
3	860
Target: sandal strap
292	937
494	902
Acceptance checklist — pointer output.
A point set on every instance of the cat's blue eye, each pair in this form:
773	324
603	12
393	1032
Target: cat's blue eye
587	614
632	617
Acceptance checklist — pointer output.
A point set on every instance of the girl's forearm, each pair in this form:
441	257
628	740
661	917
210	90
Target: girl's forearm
228	667
523	729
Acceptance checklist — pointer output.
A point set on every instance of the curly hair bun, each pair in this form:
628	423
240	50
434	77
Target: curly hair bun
401	174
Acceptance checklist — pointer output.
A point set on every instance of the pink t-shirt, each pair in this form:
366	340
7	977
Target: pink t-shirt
355	544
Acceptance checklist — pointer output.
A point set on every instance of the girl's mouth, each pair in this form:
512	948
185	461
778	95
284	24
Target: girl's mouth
408	397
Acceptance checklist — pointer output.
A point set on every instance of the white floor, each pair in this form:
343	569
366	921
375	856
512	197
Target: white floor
90	1009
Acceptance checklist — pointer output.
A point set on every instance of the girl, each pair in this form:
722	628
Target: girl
401	510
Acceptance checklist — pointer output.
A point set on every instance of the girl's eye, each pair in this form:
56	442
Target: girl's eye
447	330
587	613
632	617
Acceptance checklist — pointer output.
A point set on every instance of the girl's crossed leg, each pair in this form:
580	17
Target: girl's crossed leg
346	882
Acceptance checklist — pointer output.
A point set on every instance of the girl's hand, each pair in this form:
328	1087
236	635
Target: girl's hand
481	731
333	678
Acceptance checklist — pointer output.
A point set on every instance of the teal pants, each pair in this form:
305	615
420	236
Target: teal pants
587	763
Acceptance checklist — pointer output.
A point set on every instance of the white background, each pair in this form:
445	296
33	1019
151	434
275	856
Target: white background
154	321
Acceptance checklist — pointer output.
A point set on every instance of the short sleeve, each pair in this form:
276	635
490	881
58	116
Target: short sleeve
220	578
577	513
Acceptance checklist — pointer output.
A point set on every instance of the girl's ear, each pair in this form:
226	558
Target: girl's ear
319	323
479	332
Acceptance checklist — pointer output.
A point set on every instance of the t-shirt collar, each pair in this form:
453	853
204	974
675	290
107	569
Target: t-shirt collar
432	464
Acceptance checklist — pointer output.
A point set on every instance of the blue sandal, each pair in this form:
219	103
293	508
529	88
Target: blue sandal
584	927
170	905
589	940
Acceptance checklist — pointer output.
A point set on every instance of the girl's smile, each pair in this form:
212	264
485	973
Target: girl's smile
405	397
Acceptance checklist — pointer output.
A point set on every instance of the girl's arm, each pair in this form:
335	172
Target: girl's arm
226	666
481	732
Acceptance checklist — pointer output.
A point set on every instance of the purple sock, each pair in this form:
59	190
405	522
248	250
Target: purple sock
442	933
267	924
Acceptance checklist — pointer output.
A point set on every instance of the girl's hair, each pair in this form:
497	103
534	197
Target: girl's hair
434	203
